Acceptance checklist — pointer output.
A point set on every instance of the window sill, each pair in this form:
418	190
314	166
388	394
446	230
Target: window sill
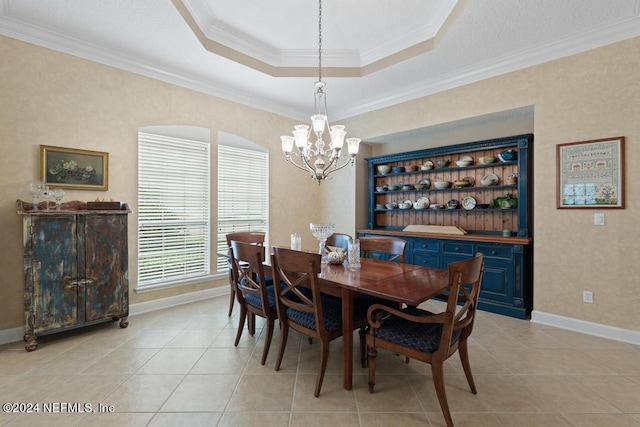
179	283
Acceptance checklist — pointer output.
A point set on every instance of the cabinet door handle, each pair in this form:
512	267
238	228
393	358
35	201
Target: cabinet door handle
457	249
70	283
494	253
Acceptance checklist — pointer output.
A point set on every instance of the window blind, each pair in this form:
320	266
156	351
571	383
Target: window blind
173	209
243	194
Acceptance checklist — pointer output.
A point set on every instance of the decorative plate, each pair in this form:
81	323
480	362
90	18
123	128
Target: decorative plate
472	180
468	203
409	201
490	179
467	158
428	163
425	200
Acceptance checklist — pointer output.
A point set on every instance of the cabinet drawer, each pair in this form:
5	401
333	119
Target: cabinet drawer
425	245
426	259
458	248
490	251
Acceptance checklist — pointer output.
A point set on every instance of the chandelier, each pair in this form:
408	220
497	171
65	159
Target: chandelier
319	159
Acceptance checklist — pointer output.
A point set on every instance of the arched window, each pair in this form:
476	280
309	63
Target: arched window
243	189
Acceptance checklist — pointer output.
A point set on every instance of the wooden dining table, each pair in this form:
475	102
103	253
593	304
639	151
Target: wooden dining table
397	282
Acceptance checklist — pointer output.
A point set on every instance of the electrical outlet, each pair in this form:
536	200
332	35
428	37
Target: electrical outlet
587	296
598	219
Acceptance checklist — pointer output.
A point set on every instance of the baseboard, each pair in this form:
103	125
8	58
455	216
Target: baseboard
11	335
585	327
15	334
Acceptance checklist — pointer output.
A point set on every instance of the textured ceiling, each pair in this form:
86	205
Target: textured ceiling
400	50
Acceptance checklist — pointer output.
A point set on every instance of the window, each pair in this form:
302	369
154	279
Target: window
243	192
173	210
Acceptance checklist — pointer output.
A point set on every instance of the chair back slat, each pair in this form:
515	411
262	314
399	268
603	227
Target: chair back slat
383	248
465	278
248	270
298	271
255	237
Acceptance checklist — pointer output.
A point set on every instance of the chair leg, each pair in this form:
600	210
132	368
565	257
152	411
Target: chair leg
252	324
243	316
372	353
363	347
464	358
324	356
232	300
284	332
437	371
267	342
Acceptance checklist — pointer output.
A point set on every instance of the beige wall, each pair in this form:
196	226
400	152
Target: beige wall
587	96
55	99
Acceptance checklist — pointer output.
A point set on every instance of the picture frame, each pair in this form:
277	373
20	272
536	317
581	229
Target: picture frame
590	174
74	169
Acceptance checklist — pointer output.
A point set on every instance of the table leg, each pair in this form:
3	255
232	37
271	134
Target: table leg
347	337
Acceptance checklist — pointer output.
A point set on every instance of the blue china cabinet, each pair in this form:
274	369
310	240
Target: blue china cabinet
486	208
75	268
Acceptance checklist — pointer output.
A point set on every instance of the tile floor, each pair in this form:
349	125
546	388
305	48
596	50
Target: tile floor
178	367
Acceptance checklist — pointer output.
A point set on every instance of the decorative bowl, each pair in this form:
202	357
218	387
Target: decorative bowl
427	166
442	163
512	179
397	169
452	204
508	155
407	187
404	206
336	257
384	187
394	187
442	184
461	183
464	163
420	186
380	206
393	205
485	160
420	205
436	207
384	169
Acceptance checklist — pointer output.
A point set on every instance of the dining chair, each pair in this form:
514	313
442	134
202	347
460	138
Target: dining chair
431	337
255	297
339	240
383	248
254	237
311	313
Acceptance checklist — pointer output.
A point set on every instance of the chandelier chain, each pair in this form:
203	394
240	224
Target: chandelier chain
320	41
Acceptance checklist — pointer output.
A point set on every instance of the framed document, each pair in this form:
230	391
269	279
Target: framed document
590	174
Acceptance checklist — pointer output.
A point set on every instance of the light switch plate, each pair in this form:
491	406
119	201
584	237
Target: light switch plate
598	219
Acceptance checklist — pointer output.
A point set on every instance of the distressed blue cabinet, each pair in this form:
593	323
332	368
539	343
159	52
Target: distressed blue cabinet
75	266
507	280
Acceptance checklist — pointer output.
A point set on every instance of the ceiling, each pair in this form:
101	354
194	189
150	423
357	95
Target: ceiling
375	53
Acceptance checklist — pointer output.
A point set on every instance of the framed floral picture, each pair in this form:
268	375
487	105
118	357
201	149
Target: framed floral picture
590	174
74	169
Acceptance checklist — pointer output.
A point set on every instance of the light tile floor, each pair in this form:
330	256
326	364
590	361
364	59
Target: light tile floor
178	367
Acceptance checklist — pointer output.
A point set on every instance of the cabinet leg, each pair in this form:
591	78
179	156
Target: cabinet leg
31	342
124	322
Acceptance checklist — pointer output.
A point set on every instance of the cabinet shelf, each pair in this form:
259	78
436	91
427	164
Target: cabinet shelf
448	169
436	190
457	210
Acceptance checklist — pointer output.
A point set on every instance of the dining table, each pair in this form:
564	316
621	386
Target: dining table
396	282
